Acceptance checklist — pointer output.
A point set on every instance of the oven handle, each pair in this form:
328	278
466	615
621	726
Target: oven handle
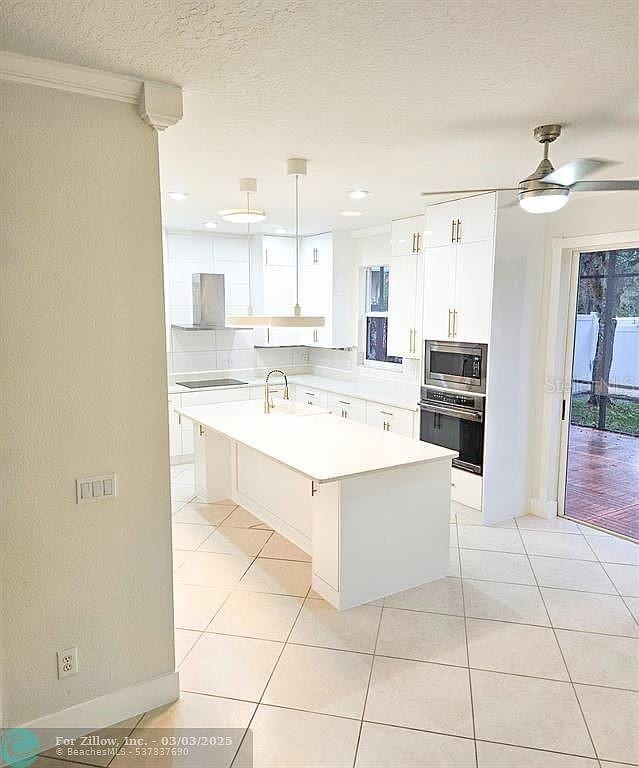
460	413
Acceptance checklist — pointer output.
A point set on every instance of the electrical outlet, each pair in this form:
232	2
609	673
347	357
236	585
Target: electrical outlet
67	662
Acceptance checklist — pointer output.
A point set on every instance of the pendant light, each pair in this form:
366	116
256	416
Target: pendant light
296	167
247	216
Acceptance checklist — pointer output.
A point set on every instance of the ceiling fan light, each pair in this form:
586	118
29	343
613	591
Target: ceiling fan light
543	201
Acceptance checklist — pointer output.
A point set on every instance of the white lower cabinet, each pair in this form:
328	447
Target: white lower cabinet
347	407
311	396
181	429
175	427
466	488
390	419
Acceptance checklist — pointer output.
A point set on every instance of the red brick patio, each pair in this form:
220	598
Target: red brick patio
603	480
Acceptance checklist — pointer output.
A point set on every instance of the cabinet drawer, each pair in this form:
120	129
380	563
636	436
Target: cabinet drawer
398	420
215	396
347	407
466	488
311	396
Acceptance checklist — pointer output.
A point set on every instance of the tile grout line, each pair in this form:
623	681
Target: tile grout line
563	658
412	658
621	597
277	661
222	604
368	685
389	725
470	680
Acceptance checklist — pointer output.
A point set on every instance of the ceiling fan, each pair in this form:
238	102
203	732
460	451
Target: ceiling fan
547	189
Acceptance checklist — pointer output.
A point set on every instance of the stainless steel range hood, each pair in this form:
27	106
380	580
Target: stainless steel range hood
209	305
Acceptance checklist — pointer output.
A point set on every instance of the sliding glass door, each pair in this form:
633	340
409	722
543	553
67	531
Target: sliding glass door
601	441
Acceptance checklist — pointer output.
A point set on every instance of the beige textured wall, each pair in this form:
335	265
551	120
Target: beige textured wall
82	391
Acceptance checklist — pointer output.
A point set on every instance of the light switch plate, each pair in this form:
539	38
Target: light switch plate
95	488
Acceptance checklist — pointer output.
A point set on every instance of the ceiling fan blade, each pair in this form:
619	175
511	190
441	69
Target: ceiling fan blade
572	172
469	191
606	185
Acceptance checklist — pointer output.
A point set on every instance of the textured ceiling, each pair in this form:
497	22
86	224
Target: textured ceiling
393	95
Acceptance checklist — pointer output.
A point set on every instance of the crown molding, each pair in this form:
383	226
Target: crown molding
159	104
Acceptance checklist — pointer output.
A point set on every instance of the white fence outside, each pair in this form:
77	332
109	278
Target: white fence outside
625	356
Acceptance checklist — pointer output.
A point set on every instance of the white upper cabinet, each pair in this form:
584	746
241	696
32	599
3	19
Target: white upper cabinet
476	218
440	224
402	337
327	288
278	251
459	262
439	292
407	236
461	221
473	290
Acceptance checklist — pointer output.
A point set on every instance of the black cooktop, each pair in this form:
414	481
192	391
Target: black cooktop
210	383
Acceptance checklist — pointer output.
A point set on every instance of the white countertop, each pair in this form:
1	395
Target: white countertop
321	446
382	391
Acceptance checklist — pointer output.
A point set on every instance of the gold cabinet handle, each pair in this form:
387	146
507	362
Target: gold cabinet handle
201	431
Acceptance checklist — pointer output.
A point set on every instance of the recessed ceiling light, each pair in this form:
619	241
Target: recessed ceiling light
350	213
358	194
210	224
279	231
178	195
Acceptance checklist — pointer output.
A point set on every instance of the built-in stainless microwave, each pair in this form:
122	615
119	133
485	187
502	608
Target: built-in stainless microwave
455	365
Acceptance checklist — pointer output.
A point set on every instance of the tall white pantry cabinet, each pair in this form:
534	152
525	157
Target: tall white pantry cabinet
482	284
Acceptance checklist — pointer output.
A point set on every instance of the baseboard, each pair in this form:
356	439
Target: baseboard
546	508
108	709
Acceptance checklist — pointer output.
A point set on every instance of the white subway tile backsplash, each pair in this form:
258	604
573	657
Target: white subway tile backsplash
240	358
180	294
183	271
187	246
181	315
194	361
230	249
237	294
193	341
232	340
233	271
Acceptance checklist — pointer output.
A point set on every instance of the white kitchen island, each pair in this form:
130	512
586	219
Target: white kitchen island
372	508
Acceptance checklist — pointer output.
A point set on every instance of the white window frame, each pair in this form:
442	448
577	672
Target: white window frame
364	283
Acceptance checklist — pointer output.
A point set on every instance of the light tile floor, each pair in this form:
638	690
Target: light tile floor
526	656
